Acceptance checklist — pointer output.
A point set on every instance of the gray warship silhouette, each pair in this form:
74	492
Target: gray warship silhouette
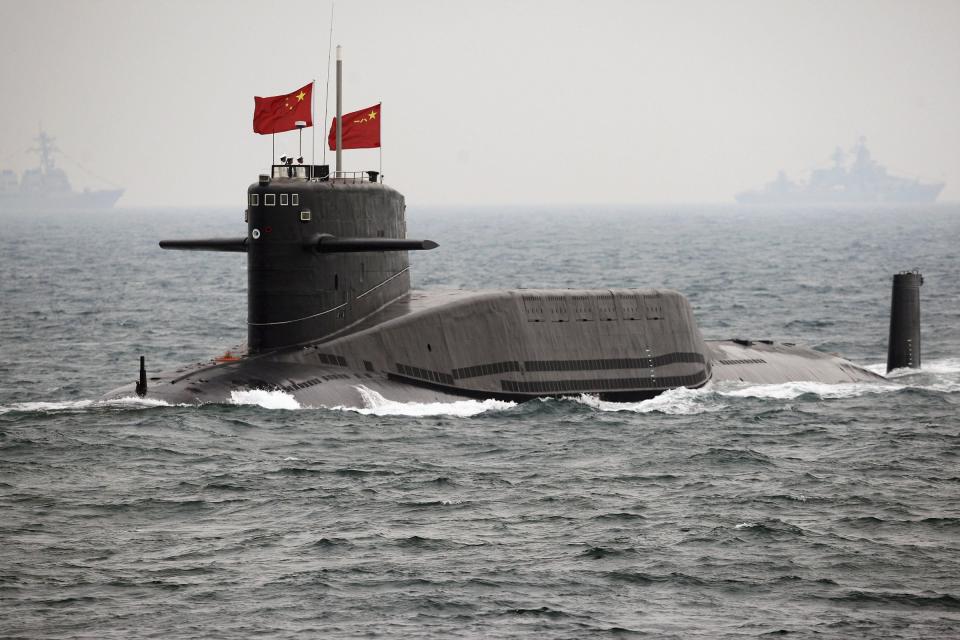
332	320
47	188
863	181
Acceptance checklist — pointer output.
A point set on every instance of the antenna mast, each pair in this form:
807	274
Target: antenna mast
326	94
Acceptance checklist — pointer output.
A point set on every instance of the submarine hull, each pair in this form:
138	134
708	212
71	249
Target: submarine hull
332	321
424	347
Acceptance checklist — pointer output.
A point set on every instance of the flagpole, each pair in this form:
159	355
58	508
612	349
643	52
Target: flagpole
381	141
273	149
339	109
313	129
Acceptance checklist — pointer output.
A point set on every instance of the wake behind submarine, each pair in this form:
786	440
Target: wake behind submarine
331	317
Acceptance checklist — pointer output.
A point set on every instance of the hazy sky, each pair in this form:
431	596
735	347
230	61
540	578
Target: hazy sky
488	102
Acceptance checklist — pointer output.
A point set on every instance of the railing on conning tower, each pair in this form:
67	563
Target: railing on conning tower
322	172
356	176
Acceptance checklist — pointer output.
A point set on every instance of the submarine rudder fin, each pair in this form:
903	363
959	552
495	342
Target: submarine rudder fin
903	346
141	387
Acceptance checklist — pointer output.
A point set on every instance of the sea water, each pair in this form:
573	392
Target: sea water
802	509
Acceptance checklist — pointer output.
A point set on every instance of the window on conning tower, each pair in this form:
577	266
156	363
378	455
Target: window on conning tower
254	199
269	199
284	198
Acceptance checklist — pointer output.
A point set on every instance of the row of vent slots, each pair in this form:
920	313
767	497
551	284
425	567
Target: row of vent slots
424	374
606	304
747	361
327	358
262	384
609	384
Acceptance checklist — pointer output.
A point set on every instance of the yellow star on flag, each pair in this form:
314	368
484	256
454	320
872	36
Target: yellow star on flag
301	96
373	115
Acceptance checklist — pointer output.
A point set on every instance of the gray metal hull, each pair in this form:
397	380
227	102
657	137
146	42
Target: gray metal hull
513	345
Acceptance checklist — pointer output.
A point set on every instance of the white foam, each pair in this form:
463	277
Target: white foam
746	525
791	390
680	401
80	405
133	403
264	398
936	375
376	405
945	367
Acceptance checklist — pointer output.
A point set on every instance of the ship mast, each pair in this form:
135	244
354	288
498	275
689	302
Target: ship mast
46	150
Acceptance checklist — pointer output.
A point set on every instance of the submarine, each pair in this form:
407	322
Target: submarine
332	319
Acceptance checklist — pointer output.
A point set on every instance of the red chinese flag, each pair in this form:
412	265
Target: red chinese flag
281	113
361	129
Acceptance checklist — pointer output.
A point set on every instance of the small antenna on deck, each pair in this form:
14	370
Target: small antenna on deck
141	387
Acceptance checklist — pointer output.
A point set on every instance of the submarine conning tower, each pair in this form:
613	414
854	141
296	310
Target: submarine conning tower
323	253
296	291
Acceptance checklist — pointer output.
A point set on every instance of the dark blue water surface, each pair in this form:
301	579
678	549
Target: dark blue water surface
802	509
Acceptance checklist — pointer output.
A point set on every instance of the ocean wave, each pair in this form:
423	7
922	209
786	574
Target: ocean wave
944	367
264	398
942	376
83	405
885	599
791	390
375	404
680	401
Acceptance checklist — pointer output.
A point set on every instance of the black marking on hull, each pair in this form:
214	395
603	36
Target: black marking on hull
312	382
614	363
634	395
604	384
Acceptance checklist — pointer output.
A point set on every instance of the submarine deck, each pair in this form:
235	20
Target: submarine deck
329	379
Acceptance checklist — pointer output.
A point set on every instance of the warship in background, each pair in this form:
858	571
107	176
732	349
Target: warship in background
47	188
864	181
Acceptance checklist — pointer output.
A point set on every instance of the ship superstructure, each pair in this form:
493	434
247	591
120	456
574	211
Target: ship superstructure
860	180
46	187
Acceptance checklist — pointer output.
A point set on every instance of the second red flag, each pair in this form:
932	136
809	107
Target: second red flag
361	129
